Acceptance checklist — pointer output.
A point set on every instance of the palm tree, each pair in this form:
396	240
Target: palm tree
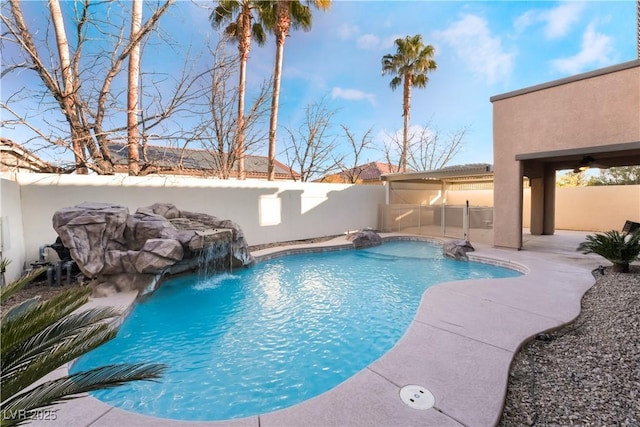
620	249
39	337
410	65
242	27
280	17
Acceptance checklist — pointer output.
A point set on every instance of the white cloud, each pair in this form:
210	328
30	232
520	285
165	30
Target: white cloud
525	20
595	50
389	42
346	31
560	19
477	48
368	41
352	95
557	22
373	42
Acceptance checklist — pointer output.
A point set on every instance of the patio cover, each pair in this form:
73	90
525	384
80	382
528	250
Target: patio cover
475	172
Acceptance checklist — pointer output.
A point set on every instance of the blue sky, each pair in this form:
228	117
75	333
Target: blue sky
482	49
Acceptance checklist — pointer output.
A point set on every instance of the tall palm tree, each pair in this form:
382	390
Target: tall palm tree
244	24
39	337
281	17
410	65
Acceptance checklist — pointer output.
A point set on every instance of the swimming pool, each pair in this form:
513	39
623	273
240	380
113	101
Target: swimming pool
274	335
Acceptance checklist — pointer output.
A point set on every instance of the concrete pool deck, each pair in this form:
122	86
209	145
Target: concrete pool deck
459	347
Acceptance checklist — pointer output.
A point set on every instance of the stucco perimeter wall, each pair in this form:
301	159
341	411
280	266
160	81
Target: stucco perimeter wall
475	197
601	208
266	211
12	239
599	108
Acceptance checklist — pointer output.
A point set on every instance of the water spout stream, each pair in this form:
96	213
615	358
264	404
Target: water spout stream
216	256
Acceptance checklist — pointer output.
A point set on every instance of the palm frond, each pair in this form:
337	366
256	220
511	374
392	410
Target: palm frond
65	328
84	325
20	308
21	328
7	291
25	371
66	388
39	337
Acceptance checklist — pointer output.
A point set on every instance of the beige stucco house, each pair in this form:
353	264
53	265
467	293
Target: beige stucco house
587	120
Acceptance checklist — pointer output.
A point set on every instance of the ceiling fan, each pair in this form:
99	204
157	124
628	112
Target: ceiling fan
588	162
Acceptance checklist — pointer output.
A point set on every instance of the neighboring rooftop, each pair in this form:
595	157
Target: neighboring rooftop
15	158
199	162
367	173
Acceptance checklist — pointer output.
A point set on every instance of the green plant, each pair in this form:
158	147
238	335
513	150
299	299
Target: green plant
39	337
620	249
4	263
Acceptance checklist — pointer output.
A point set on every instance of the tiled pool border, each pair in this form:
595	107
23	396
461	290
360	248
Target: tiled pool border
275	252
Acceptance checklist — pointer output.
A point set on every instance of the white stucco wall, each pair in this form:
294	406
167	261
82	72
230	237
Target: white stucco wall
266	211
12	243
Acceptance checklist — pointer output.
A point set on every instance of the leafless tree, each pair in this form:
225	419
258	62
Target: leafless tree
77	90
312	147
428	150
353	170
132	91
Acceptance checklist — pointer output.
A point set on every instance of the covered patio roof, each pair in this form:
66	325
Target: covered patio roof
603	157
475	172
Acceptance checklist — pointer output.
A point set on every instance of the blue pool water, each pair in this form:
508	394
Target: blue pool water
276	334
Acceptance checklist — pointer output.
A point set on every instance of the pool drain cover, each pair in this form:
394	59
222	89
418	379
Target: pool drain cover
417	397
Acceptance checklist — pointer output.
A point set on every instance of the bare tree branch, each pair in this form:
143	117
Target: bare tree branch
354	171
428	150
74	80
311	147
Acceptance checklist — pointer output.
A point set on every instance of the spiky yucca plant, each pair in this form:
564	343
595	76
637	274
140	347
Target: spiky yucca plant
620	249
39	337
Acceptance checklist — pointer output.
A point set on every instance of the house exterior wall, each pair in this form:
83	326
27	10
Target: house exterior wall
600	108
18	160
266	211
11	162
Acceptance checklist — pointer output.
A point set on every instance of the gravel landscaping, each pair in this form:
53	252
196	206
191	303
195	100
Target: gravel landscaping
587	372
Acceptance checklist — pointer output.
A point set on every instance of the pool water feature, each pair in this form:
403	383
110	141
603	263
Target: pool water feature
265	338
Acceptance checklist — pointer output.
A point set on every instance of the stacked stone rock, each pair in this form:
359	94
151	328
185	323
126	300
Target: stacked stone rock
457	249
365	239
132	252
